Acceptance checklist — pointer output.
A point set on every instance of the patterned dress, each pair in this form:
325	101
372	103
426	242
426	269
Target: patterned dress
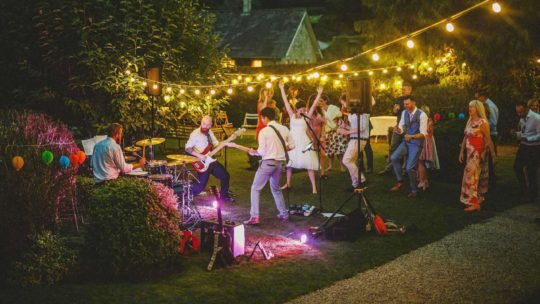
476	174
429	152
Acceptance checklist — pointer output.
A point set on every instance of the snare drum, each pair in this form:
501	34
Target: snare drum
165	179
157	166
137	173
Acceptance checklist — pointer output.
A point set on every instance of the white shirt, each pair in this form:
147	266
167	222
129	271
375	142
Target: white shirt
270	146
530	129
199	141
423	120
364	126
108	161
330	116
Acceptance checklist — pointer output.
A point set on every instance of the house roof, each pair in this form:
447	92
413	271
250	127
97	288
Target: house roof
262	34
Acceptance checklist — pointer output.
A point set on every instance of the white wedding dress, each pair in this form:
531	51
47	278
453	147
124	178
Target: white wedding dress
298	160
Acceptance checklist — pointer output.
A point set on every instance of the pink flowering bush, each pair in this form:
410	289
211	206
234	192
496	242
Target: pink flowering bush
133	227
30	199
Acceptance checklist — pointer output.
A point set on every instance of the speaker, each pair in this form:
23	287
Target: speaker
348	228
235	231
153	76
359	97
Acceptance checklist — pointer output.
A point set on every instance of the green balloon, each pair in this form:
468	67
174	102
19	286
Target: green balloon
47	157
451	115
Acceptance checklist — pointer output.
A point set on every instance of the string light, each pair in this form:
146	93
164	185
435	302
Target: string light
260	76
182	91
340	76
182	104
273	78
248	79
385	71
239	77
285	79
382	86
375	57
144	83
155	86
449	27
410	43
229	91
355	73
344	67
167	98
430	69
128	72
414	77
324	78
250	89
235	81
197	92
268	85
496	7
315	75
411	67
443	60
212	92
370	73
132	79
169	89
398	69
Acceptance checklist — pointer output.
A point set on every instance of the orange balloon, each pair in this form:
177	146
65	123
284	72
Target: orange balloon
82	157
74	160
17	162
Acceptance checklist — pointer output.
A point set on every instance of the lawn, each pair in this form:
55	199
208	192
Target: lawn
302	268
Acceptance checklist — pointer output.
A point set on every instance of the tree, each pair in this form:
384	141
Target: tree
69	57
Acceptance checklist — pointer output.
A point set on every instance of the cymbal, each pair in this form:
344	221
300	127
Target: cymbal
183	158
132	149
175	163
130	158
150	142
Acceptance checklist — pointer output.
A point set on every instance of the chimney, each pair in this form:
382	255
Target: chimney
246	9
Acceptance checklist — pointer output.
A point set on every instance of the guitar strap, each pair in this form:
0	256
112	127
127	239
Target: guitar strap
282	143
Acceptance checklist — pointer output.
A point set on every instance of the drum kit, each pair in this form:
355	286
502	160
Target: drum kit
172	173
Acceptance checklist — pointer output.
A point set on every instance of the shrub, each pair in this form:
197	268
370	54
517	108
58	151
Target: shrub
448	137
133	225
30	199
47	261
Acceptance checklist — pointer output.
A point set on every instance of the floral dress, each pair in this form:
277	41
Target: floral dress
476	174
429	152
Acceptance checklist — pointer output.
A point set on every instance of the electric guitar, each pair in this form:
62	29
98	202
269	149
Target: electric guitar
202	165
222	240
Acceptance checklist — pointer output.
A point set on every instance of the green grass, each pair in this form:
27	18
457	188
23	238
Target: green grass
436	213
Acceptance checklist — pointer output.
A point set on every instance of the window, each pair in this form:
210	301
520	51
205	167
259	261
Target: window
256	63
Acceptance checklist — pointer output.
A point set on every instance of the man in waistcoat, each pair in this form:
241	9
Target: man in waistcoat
413	126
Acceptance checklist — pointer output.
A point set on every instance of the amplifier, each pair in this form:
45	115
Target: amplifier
235	231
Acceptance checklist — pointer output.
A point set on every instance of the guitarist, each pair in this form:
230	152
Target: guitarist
274	142
200	142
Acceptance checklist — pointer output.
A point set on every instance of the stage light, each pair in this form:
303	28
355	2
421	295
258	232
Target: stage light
197	92
268	85
229	91
144	83
496	7
182	91
449	27
410	43
303	238
212	92
375	57
250	89
344	67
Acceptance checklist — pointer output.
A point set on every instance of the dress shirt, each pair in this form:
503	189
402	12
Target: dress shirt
331	114
108	161
270	146
423	120
530	129
493	116
199	140
364	126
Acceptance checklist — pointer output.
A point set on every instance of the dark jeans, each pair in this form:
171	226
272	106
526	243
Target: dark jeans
395	141
216	169
490	162
527	158
369	157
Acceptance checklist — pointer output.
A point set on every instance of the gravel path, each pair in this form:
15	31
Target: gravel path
497	261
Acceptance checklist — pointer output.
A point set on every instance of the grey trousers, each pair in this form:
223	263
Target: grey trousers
268	170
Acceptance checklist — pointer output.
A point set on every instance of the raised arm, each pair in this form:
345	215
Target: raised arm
262	104
315	102
285	100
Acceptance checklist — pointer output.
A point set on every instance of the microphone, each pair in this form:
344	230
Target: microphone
305	116
308	147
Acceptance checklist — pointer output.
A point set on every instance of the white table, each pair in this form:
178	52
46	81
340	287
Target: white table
381	124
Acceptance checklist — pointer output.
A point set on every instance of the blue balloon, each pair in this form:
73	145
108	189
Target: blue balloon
461	116
64	161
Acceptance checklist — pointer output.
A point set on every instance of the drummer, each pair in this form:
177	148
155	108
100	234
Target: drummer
199	140
108	158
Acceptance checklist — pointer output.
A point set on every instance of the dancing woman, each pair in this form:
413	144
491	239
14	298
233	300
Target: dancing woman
429	158
299	157
317	123
265	98
477	142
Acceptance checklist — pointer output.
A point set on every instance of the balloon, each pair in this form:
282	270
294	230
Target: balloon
64	161
82	157
74	160
451	115
47	157
17	162
437	117
461	116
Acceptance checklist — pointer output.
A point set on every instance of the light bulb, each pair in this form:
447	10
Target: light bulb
167	98
197	92
340	76
169	89
398	69
324	78
285	79
370	73
132	79
250	89
375	57
385	71
430	69
449	27
410	43
229	91
411	67
212	92
128	72
182	104
268	85
382	86
235	81
273	77
414	77
155	87
496	7
355	73
248	79
315	75
144	83
239	77
344	67
182	91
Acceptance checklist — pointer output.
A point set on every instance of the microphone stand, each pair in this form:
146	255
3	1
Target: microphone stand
318	150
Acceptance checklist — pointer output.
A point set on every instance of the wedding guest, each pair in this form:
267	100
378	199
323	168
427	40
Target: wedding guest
428	157
534	105
335	143
528	154
492	114
317	124
476	143
292	97
265	97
